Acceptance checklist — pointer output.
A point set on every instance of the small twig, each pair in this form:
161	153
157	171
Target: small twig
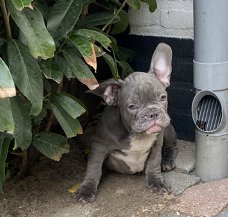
6	19
100	5
85	11
110	21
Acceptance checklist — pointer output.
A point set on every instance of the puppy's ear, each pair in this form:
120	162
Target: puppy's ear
161	63
108	90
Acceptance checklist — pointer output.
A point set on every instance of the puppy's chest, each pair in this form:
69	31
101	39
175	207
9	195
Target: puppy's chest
136	155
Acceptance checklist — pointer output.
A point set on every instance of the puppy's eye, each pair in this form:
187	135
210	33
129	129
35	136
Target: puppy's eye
163	97
132	107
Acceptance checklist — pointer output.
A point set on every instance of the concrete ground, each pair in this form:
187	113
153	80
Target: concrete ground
45	192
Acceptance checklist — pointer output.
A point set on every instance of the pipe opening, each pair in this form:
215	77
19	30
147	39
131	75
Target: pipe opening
208	114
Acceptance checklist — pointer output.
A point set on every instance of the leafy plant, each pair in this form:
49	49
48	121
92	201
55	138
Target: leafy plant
43	46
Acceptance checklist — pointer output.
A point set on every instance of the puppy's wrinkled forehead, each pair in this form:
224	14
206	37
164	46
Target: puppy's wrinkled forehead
141	86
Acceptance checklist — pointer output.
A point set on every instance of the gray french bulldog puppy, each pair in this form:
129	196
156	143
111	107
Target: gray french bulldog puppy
129	135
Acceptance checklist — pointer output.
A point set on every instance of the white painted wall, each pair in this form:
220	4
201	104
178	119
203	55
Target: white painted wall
172	18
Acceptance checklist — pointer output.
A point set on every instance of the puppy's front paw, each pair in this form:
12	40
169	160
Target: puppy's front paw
159	187
85	194
167	164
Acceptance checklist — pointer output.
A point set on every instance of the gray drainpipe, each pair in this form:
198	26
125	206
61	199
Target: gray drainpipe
210	105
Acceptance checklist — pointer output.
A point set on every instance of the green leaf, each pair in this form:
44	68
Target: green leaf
20	4
122	25
135	4
26	74
42	6
6	117
7	88
86	48
64	67
88	1
36	120
126	69
98	50
69	104
80	69
4	146
93	35
97	19
22	122
31	23
125	54
112	65
51	145
70	125
152	4
51	71
63	16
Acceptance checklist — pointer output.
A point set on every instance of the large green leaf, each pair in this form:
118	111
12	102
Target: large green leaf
69	104
152	4
64	67
94	35
51	145
6	117
22	122
122	25
51	71
70	125
97	19
80	69
63	16
7	88
20	4
112	65
26	74
86	48
4	145
135	4
31	23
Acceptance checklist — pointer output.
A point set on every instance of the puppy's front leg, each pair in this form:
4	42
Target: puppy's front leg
88	189
154	179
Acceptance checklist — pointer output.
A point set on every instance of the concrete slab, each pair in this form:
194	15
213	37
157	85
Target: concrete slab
180	181
203	200
185	160
173	214
224	213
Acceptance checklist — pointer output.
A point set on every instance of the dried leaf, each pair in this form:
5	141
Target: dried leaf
74	188
91	83
7	92
63	150
92	61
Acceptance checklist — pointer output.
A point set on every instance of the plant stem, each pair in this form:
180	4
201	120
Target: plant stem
116	77
85	11
52	116
24	167
61	46
6	19
110	21
50	121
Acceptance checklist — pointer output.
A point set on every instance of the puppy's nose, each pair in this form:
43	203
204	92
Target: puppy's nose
152	115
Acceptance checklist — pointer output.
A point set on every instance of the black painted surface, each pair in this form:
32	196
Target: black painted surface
181	89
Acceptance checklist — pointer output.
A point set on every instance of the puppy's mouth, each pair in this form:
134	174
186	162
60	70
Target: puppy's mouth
154	128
